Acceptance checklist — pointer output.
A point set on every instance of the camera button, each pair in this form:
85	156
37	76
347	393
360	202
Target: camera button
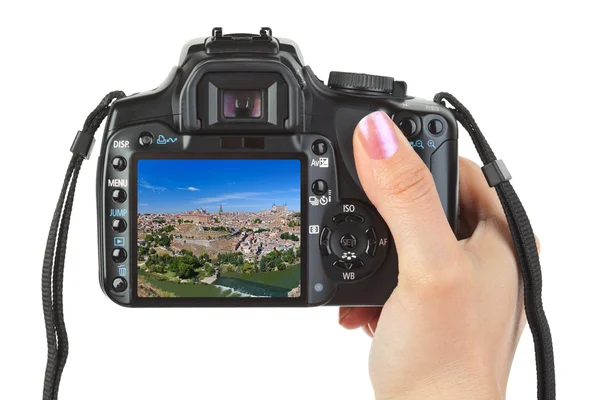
119	195
355	219
319	187
408	126
119	163
348	265
324	242
119	225
119	255
345	217
319	147
371	242
435	126
119	284
348	242
146	139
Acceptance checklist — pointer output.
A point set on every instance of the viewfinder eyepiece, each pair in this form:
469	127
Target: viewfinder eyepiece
242	103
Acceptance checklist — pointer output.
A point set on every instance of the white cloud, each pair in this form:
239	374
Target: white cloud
189	188
142	183
228	196
265	196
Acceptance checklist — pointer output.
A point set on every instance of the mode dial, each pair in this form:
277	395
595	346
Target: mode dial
360	82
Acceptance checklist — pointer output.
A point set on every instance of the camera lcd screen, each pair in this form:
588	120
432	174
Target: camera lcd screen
218	228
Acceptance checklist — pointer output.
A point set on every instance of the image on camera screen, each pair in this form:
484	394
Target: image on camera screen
218	228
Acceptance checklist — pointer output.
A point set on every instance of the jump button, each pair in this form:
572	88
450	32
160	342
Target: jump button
119	225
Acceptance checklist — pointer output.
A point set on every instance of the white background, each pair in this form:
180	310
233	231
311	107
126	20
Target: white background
527	70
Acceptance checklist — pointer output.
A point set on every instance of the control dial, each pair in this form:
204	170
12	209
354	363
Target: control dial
361	82
353	243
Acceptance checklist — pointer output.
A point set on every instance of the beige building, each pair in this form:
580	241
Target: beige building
277	208
196	216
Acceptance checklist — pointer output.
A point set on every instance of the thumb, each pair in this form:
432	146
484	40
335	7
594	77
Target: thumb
402	189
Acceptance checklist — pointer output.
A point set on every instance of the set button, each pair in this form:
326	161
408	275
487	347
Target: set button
119	195
348	242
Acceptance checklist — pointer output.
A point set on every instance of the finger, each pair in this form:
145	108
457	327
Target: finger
356	317
479	201
402	189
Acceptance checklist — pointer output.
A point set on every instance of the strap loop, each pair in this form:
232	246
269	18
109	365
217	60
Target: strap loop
496	172
83	144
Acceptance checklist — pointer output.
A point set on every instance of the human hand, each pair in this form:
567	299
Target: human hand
451	327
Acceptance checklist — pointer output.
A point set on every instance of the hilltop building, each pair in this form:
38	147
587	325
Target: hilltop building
277	208
196	216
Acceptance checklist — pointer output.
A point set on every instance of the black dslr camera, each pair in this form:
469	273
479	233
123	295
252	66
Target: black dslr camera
233	183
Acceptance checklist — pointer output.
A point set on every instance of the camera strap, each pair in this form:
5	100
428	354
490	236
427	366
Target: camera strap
497	176
494	170
56	246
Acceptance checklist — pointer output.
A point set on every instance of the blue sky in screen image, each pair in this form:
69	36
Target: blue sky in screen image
174	186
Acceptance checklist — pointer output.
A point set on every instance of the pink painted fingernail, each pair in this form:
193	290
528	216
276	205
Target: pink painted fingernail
378	135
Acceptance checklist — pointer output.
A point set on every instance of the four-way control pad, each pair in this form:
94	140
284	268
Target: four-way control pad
354	242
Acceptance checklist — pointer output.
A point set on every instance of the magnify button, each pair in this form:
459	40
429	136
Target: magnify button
431	144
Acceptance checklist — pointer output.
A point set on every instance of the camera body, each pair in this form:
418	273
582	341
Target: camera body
233	183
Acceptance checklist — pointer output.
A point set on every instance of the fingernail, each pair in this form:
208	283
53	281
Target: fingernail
378	136
344	313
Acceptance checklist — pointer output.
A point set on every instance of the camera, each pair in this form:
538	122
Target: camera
233	183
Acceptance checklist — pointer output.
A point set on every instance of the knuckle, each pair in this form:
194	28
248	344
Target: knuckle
406	183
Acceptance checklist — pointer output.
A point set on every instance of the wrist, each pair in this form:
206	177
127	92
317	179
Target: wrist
450	388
